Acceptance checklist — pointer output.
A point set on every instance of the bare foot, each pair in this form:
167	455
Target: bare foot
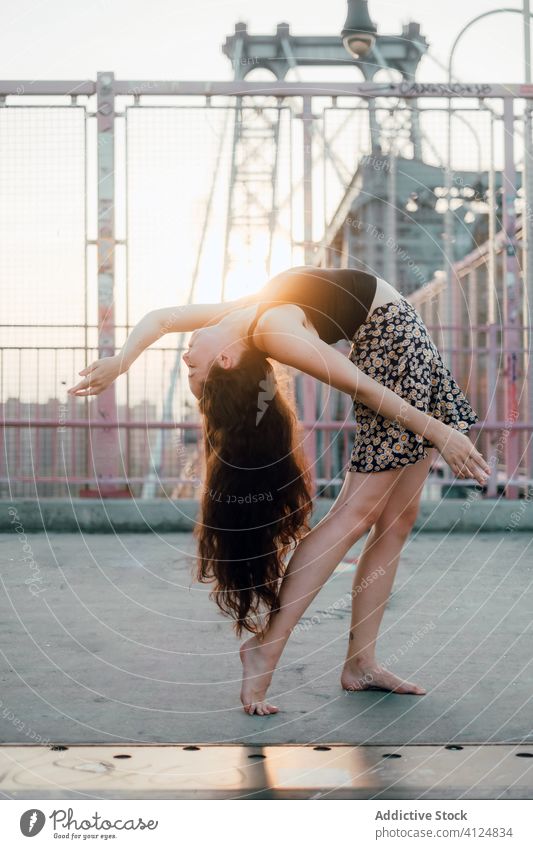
357	676
257	670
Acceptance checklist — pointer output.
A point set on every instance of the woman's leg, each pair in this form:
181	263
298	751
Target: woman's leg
373	582
356	509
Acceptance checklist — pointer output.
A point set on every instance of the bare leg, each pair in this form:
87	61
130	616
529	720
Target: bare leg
373	582
358	506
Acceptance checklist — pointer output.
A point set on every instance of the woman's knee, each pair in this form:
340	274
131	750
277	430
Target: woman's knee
399	522
354	521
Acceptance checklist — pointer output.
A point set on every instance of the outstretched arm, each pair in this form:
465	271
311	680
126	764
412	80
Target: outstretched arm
188	317
99	374
290	343
177	319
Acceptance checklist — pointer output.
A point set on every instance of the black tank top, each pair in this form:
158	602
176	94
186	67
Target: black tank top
336	300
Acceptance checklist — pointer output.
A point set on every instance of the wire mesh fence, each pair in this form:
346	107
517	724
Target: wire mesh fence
211	196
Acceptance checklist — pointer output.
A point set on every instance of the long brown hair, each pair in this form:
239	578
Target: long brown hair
256	501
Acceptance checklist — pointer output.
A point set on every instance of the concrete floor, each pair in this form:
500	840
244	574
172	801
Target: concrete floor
108	639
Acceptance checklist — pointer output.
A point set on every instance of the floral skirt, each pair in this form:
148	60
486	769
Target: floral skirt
393	346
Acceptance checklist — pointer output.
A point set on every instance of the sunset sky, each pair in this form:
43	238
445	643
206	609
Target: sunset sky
171	158
169	39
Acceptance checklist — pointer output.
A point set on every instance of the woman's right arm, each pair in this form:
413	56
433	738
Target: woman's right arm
290	343
99	374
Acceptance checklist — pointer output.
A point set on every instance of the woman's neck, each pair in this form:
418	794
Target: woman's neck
240	318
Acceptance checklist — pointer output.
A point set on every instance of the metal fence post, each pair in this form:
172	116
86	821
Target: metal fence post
527	302
527	237
449	229
511	302
391	211
307	118
493	351
491	415
309	398
104	442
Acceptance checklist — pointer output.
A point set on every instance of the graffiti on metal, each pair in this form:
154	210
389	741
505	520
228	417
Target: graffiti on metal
445	89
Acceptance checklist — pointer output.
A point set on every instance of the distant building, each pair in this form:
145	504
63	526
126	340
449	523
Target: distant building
390	222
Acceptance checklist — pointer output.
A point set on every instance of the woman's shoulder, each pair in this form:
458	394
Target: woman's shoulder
284	318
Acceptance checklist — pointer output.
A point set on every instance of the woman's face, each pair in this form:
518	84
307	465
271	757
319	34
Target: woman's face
219	343
199	357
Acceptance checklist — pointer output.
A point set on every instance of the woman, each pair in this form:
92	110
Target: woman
256	501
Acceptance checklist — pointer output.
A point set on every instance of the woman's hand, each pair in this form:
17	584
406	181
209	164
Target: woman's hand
99	375
462	456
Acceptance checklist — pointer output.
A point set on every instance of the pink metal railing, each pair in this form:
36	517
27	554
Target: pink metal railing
46	448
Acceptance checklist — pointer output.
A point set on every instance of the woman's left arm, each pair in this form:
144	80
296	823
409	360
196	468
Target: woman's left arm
187	317
290	343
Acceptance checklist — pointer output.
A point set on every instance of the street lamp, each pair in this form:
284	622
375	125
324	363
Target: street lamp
359	32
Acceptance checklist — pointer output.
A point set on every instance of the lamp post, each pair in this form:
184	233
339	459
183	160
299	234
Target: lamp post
359	37
359	31
511	288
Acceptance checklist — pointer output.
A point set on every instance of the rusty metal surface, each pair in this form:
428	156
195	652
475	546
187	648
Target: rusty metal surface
240	772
